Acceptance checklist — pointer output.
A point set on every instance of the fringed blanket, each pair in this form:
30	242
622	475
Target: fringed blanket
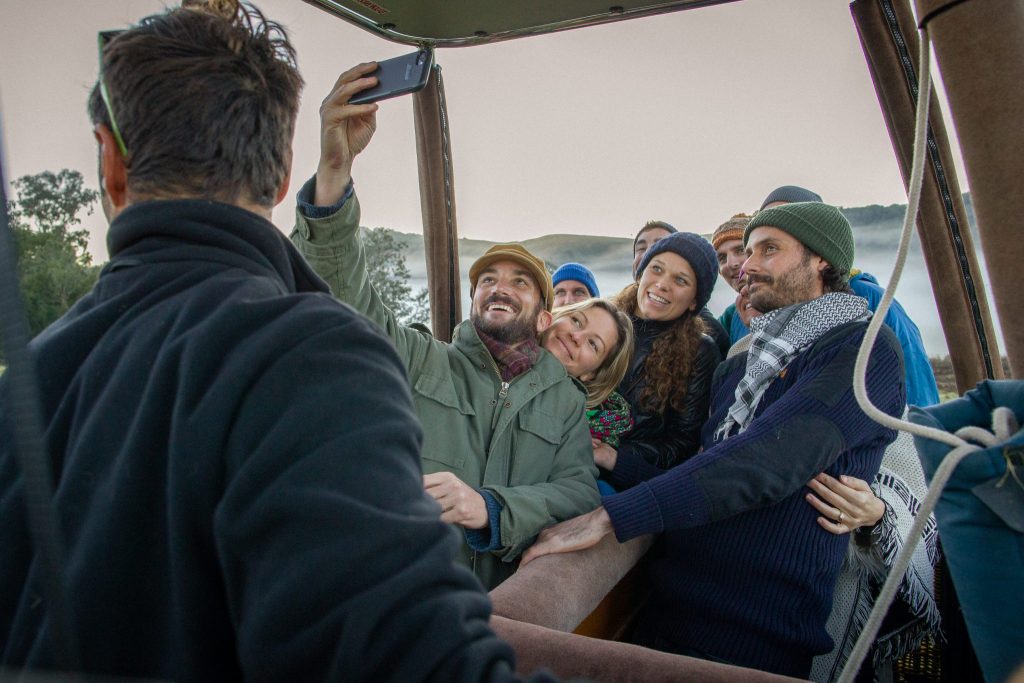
914	614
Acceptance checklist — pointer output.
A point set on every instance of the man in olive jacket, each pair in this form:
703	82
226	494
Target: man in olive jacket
506	451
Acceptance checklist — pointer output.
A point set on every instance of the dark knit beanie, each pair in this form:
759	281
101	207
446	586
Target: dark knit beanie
577	272
698	252
822	228
790	194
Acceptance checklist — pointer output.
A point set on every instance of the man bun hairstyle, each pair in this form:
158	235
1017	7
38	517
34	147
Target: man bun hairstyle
205	96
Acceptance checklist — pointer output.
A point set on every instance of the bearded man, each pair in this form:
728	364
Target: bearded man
745	572
506	450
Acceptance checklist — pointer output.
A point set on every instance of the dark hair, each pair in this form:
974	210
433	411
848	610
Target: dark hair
835	281
205	97
653	225
832	279
669	363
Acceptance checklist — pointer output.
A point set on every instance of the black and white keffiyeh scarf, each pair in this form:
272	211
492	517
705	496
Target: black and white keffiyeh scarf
776	339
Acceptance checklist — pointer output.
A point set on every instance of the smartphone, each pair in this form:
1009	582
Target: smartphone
398	76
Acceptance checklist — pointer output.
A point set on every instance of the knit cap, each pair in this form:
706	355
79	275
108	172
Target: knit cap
790	194
516	253
577	272
698	252
732	229
822	228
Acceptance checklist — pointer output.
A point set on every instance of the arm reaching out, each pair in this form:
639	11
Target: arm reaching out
578	533
345	131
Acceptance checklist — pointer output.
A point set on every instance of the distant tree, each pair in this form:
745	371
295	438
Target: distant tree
385	262
420	308
54	267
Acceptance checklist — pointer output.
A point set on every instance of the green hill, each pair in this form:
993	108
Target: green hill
876	229
876	233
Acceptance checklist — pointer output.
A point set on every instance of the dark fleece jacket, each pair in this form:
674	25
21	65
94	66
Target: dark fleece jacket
236	468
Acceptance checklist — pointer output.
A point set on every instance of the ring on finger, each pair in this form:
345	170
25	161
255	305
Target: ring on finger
839	519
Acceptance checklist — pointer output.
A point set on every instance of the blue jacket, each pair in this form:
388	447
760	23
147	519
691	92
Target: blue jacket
921	387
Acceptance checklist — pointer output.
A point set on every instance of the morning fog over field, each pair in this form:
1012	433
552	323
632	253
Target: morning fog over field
876	233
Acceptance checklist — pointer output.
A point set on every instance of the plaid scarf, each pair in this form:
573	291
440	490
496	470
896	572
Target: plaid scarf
777	337
611	420
512	360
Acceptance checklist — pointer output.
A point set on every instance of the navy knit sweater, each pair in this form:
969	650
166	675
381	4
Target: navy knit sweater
744	573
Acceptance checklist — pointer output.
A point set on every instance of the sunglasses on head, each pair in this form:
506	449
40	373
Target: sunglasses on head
103	39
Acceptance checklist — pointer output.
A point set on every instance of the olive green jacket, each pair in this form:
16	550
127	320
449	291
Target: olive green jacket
526	442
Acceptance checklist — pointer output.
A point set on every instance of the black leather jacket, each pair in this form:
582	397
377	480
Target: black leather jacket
716	331
668	438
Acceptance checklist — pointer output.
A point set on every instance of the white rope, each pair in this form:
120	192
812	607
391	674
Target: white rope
1003	420
914	200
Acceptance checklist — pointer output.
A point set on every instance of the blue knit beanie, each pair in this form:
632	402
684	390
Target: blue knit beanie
698	252
577	272
790	194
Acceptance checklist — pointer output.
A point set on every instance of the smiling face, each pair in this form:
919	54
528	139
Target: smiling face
644	241
731	256
507	303
780	271
569	292
744	309
582	340
668	288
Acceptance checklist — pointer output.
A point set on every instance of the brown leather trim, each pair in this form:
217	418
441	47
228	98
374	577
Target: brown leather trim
942	220
979	46
437	203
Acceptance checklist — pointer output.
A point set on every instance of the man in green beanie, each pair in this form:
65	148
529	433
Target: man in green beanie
746	567
809	248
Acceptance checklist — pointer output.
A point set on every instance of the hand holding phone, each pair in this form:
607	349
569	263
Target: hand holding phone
397	76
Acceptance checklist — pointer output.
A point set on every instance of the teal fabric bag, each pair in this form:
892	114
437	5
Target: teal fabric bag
981	522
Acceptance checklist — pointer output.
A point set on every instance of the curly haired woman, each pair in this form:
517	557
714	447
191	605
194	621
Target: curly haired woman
668	384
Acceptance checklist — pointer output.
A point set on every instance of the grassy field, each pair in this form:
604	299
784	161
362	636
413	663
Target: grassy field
943	369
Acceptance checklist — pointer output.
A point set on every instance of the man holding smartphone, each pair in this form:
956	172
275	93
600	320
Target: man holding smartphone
506	450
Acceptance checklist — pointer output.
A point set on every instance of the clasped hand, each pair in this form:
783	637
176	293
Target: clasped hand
845	504
460	503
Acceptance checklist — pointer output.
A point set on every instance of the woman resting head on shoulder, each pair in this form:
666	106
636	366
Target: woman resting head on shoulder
668	385
594	341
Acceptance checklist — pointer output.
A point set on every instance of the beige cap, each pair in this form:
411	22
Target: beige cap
518	254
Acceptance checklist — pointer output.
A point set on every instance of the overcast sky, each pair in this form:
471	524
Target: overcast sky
688	117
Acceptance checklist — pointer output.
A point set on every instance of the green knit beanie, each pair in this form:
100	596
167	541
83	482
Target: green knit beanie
822	228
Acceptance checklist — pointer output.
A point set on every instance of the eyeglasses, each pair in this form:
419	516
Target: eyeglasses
103	38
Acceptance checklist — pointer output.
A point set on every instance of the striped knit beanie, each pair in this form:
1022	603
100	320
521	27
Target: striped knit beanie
732	229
